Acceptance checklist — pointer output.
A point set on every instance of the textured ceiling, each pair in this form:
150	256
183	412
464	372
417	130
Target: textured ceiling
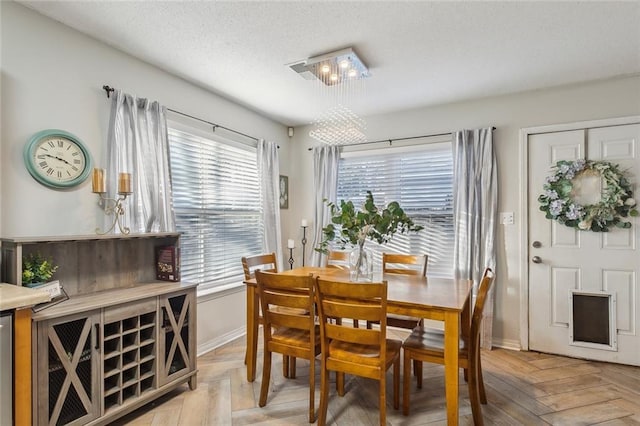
419	53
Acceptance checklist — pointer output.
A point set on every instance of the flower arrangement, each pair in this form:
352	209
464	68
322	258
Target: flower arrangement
616	201
36	269
351	226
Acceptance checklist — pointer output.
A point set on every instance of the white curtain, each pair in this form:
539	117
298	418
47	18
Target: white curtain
269	175
137	144
475	208
325	182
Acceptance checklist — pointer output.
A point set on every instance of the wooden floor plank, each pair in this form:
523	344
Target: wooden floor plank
586	415
581	397
523	388
196	408
220	413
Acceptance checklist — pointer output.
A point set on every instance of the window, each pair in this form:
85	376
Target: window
216	198
420	178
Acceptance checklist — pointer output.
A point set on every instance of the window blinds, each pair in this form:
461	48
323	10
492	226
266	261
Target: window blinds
216	196
421	181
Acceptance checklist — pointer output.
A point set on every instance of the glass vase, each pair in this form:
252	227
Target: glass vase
361	264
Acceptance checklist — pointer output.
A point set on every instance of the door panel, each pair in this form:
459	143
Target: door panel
587	261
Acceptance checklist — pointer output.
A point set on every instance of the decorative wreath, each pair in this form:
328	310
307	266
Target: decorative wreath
616	200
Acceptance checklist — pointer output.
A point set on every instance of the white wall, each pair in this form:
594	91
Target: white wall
596	100
52	77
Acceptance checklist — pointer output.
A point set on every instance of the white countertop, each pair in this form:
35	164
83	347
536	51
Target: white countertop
13	296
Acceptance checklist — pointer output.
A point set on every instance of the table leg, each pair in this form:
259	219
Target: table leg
451	330
252	333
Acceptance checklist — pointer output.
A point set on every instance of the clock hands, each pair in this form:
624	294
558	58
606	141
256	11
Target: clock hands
58	158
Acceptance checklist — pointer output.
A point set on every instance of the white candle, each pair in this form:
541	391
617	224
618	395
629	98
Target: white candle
290	243
304	223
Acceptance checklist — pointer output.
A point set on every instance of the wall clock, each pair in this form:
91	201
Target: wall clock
57	159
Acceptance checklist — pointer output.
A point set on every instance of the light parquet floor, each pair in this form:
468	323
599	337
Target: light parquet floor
523	388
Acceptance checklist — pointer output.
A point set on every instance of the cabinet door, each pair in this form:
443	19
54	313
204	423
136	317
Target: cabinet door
67	370
177	343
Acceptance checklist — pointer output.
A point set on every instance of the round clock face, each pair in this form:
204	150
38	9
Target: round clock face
57	159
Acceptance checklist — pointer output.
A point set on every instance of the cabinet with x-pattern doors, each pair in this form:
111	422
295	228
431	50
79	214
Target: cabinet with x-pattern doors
68	363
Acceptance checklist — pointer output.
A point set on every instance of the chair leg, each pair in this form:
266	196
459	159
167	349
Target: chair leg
266	376
340	383
285	366
419	374
396	384
292	367
406	380
483	394
324	394
474	396
312	389
382	399
415	367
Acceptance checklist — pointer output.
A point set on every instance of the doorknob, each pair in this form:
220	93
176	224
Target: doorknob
536	259
536	244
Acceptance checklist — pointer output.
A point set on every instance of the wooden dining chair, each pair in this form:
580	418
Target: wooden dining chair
288	328
358	351
266	263
405	264
338	259
427	345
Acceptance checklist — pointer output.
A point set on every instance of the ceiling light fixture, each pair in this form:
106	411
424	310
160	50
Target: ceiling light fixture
340	77
339	126
344	64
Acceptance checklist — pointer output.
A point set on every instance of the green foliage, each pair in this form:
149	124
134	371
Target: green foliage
351	226
36	268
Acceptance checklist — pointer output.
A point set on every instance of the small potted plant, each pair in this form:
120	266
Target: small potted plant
37	270
353	227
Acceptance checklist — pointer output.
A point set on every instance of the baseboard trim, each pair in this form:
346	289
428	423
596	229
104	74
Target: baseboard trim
513	345
205	347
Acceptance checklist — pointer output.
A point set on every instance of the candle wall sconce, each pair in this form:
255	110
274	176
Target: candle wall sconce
112	206
290	246
304	225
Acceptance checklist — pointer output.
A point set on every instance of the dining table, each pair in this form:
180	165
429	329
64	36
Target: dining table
442	299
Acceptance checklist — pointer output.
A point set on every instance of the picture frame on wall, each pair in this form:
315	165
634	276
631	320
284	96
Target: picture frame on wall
284	192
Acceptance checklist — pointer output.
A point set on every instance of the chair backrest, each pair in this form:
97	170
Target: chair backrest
478	309
293	293
338	259
407	264
264	262
363	302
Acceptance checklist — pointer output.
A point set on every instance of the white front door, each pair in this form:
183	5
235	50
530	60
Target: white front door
562	258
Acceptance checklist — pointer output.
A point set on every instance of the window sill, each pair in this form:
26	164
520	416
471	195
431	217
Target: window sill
217	292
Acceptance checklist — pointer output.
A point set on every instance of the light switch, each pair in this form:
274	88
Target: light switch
506	218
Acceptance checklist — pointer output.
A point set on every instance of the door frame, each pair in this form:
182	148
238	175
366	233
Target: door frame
525	132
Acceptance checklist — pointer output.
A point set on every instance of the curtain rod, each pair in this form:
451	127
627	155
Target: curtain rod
398	139
110	89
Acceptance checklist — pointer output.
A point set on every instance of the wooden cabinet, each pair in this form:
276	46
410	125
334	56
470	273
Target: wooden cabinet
101	356
67	370
120	341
